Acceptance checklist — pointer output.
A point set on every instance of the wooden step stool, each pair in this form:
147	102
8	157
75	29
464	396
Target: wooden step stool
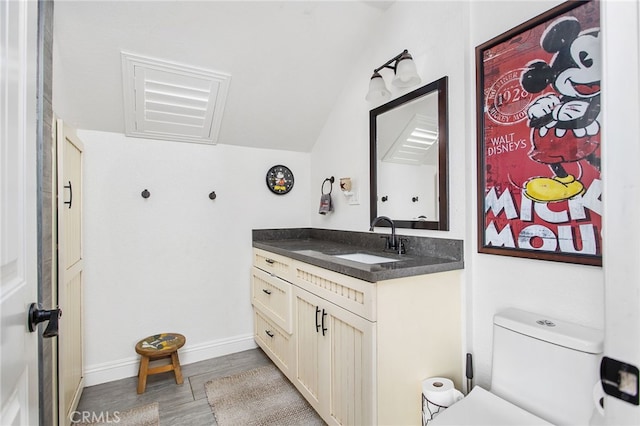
156	347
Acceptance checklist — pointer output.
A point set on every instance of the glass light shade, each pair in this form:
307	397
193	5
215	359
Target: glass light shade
377	89
406	73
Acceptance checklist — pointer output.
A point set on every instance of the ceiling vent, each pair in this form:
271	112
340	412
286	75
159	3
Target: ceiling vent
165	100
414	142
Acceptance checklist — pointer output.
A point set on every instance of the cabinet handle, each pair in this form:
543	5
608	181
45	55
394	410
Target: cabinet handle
266	291
324	329
270	261
317	322
270	334
70	194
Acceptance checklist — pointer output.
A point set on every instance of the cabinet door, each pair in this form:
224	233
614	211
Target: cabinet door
351	371
70	269
311	348
335	360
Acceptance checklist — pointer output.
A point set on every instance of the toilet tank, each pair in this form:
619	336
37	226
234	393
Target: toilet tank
547	366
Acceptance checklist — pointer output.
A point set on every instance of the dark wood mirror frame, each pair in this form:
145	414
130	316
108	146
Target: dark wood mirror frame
442	224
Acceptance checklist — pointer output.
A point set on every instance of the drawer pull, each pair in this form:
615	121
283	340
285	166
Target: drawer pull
269	333
270	261
266	291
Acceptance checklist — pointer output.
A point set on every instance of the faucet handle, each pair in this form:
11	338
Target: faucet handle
402	249
387	244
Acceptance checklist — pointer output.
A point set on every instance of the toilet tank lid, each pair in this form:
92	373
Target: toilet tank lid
542	327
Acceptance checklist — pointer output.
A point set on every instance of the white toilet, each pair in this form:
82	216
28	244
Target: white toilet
543	372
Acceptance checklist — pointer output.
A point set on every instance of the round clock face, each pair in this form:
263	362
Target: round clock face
279	179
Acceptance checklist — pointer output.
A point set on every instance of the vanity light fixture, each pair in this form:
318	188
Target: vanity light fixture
405	75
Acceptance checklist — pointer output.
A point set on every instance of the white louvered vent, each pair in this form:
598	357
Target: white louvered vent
413	144
165	100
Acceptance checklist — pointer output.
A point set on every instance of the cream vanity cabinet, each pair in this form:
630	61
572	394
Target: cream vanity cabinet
358	351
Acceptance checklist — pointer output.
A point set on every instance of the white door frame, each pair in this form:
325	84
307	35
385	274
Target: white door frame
621	179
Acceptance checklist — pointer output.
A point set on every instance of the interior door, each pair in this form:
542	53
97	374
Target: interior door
70	268
18	212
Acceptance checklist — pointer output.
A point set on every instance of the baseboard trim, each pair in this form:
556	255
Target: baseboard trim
128	367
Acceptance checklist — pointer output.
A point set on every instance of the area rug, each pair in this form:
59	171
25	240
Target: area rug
146	415
263	396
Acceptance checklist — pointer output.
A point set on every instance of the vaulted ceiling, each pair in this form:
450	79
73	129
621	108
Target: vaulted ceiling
286	59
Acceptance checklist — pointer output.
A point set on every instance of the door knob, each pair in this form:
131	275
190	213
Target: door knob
37	315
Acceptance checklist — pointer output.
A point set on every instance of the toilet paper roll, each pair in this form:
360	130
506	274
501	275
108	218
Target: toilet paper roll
438	393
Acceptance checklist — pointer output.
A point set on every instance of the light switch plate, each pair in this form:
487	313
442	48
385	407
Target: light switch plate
354	198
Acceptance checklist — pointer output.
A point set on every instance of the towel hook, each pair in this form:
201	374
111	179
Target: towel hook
330	180
212	195
145	194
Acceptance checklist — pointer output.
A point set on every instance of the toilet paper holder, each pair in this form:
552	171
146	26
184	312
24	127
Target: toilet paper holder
620	380
438	394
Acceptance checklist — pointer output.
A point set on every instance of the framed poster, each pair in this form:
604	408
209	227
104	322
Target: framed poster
538	117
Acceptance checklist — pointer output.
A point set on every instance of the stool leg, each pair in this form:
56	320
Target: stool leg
176	367
142	374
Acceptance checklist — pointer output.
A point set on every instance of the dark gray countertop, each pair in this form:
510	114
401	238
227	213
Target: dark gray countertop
319	246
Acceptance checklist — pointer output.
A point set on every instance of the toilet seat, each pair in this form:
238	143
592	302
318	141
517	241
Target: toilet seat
481	407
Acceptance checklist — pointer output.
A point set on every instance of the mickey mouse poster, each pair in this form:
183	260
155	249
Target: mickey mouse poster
539	145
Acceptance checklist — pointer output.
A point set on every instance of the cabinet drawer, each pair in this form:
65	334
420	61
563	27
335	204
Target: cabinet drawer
273	296
273	340
273	263
350	293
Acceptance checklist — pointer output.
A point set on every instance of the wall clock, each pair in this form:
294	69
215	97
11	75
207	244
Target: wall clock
280	179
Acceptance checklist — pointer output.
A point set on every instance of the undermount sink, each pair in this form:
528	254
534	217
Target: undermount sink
365	258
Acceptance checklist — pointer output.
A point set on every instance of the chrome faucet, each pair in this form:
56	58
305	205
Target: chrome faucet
393	242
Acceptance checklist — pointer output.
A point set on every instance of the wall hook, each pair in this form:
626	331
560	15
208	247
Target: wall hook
414	199
212	195
384	198
145	194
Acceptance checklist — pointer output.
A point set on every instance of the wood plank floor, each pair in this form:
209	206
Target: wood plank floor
184	405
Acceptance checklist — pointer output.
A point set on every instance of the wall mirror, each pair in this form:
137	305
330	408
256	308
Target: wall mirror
408	159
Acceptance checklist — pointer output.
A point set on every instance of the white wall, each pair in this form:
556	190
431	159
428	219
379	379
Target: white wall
565	291
442	37
430	31
176	261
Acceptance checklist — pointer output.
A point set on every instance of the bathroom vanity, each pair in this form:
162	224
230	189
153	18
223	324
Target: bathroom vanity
354	328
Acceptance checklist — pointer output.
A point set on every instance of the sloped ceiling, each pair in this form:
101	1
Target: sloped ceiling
286	59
